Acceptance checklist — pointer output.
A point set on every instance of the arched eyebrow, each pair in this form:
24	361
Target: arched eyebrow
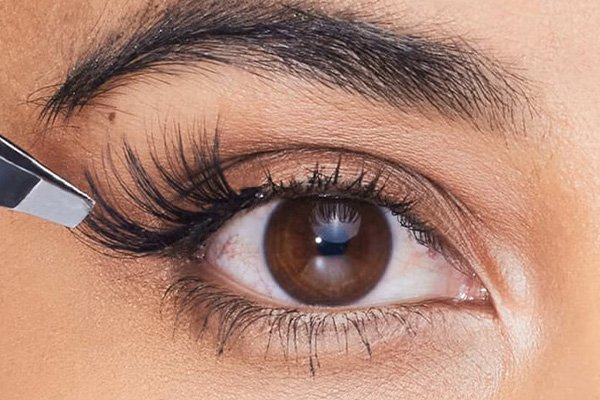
340	50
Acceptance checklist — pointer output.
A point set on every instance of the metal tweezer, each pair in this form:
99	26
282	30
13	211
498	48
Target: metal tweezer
29	187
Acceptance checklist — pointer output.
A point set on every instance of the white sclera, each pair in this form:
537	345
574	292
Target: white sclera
414	273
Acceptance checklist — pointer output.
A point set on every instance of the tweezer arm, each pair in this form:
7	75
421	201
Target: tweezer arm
15	184
28	186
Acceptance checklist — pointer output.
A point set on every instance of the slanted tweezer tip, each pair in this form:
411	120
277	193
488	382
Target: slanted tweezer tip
27	186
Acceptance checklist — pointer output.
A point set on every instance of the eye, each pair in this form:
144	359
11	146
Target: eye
270	257
332	252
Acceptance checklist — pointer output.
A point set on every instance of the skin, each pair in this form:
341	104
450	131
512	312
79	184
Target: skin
78	325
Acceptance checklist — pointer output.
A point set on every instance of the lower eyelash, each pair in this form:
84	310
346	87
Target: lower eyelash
212	310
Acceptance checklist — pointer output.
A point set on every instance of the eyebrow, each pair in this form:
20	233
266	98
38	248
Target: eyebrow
340	50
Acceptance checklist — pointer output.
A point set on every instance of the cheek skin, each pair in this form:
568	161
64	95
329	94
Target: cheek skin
101	316
566	289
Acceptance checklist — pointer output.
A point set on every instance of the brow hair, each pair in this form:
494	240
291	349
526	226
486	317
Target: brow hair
339	50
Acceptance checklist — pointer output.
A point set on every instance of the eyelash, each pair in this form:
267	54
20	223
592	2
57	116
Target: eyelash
179	232
211	201
293	328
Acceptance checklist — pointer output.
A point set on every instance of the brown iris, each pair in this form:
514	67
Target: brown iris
327	251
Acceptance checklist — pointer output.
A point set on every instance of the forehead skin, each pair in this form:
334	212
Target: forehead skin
49	353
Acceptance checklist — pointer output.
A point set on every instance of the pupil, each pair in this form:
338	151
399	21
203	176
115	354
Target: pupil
327	252
331	249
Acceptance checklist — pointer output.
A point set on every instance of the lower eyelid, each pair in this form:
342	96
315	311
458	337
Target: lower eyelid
314	340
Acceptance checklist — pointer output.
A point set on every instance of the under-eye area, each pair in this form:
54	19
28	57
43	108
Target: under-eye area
290	253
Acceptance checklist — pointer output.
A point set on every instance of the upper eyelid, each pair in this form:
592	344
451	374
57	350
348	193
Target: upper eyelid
275	153
184	186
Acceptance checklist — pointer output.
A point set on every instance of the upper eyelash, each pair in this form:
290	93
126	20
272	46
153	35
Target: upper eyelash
201	183
209	200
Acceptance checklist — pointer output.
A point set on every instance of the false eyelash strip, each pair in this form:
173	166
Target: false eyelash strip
200	182
188	197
